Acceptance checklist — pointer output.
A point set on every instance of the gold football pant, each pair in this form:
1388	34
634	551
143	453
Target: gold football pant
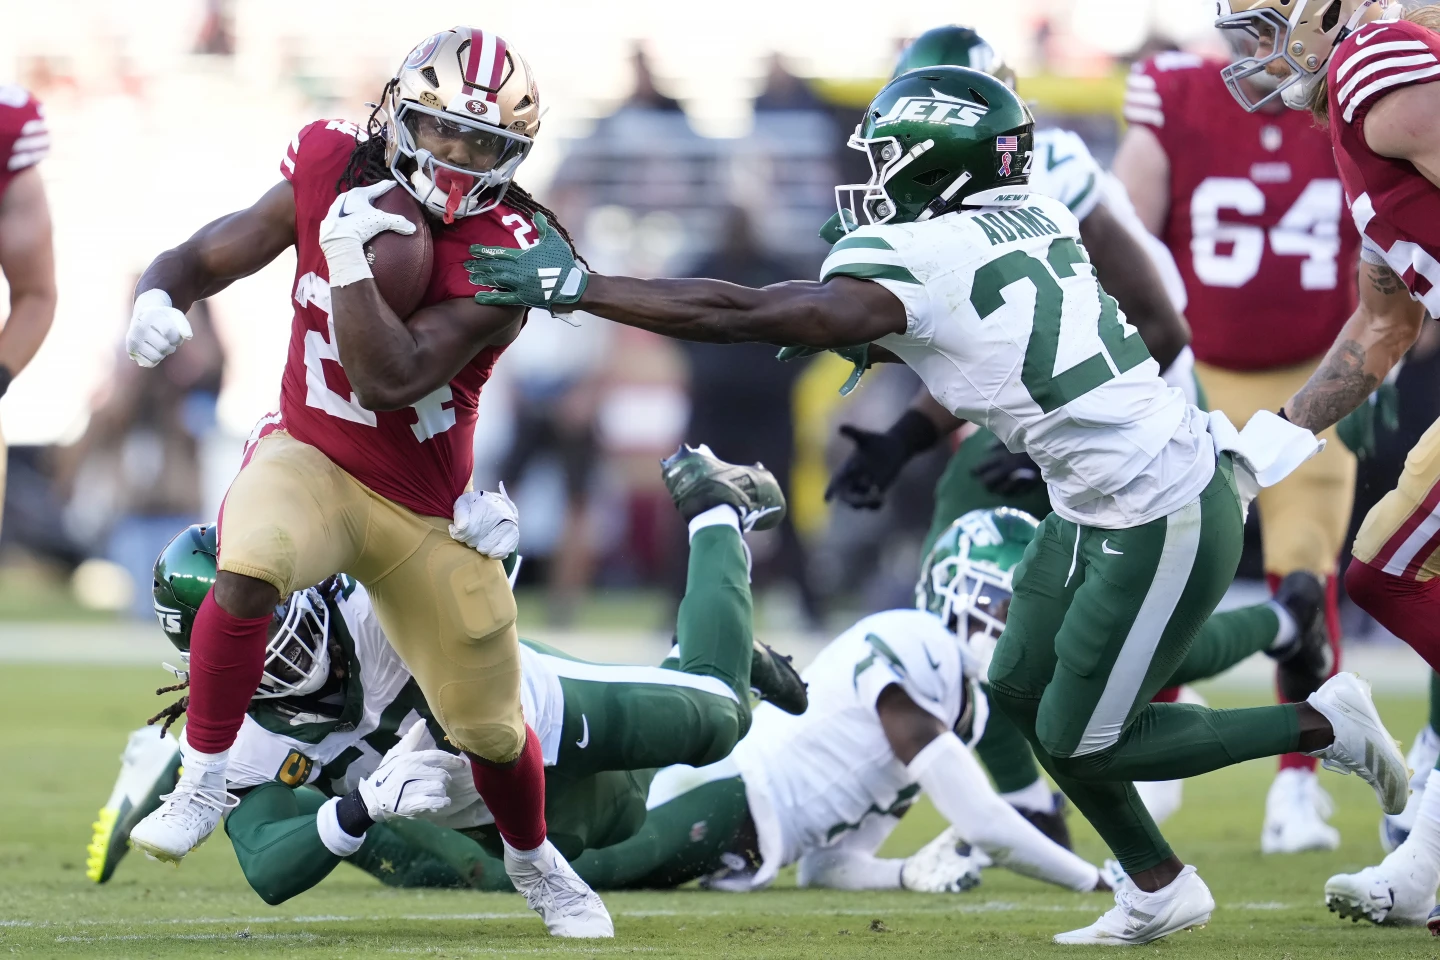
1305	517
292	518
1401	533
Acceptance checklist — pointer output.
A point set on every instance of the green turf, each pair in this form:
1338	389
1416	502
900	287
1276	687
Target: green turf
65	727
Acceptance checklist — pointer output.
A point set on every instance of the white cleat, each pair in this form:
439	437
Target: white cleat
148	768
554	890
1388	894
944	865
186	816
1295	813
1421	759
1362	744
1139	917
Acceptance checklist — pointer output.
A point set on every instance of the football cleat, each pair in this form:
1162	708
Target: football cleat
1362	745
554	890
149	767
944	865
698	480
186	816
1307	661
1052	824
1388	894
1421	759
1296	809
774	677
1139	917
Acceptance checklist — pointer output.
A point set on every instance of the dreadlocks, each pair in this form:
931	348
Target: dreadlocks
367	165
176	710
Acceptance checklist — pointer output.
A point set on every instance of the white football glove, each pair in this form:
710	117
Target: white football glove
349	224
156	328
487	522
410	781
941	867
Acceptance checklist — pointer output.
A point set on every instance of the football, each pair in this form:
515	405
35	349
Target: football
402	264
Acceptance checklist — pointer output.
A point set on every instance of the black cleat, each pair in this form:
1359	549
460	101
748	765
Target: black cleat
1051	824
773	676
1305	663
698	480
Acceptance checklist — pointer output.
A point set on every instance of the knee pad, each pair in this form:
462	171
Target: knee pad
498	741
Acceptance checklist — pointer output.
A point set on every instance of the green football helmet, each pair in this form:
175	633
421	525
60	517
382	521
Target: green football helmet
954	46
939	138
297	654
967	578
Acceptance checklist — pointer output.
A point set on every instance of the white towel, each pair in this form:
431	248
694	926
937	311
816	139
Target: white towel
1267	451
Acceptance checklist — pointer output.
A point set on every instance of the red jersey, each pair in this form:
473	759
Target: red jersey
24	139
1256	221
1393	205
421	457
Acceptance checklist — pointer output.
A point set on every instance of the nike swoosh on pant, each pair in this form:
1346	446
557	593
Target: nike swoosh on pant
584	740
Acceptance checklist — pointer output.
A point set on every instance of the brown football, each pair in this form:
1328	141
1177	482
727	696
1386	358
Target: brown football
402	264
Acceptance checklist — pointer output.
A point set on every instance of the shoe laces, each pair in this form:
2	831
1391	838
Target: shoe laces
560	887
189	799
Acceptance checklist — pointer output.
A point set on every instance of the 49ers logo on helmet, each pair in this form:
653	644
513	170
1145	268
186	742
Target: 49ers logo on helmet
422	53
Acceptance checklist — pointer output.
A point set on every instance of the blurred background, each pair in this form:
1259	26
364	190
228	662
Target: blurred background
680	139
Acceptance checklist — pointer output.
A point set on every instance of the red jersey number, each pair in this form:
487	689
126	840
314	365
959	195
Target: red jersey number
1229	254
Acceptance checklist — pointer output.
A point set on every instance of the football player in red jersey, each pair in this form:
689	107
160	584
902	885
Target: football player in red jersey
1250	206
360	470
26	259
1367	68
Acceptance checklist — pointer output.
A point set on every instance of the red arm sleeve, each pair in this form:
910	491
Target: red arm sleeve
24	137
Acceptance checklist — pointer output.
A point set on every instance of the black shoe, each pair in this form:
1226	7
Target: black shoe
1051	824
698	480
774	677
1307	661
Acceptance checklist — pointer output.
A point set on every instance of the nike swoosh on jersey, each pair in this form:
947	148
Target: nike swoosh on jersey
930	659
584	740
1361	41
1105	548
1051	163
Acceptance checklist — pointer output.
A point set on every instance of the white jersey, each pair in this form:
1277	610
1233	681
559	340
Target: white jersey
1008	328
1065	170
339	741
812	780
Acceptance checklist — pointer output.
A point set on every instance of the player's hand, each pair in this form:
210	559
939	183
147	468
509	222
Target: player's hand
840	223
545	274
410	781
487	522
1006	473
350	223
1358	429
156	329
858	355
941	867
870	469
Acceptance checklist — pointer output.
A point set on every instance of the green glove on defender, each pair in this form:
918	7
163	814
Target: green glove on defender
545	275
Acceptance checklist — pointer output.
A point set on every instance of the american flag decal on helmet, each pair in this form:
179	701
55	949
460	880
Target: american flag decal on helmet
1007	144
484	63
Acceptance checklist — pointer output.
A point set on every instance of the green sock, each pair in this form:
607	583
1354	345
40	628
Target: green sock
1225	640
415	853
1006	754
1435	702
715	625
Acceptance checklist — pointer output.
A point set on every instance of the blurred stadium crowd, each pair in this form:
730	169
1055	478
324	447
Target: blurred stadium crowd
661	172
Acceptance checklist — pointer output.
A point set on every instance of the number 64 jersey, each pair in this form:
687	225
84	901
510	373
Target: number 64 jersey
1008	328
421	457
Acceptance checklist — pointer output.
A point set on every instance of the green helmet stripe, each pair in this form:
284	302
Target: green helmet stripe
871	271
1080	198
862	243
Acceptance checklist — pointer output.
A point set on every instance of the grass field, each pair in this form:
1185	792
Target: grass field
64	728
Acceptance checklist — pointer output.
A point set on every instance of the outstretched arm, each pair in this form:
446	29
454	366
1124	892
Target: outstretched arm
28	264
1384	325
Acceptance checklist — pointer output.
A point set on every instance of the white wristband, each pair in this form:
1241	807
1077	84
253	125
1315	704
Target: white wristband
336	840
346	259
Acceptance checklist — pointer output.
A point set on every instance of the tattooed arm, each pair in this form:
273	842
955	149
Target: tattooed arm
1374	339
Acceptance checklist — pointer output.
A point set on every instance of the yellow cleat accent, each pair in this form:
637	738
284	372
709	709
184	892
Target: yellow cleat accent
100	843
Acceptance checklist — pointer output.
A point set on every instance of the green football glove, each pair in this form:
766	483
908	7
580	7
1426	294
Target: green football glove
860	356
1358	429
837	226
544	275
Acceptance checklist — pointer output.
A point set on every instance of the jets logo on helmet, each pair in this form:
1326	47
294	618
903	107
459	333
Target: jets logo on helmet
936	108
169	618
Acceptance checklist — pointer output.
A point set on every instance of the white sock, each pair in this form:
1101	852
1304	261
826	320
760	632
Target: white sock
1421	850
1036	797
1289	629
529	856
721	516
201	763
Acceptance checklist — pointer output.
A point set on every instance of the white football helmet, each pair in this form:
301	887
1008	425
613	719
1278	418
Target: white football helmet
297	655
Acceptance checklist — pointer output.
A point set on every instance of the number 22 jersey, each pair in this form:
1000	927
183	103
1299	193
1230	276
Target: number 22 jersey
1008	328
421	456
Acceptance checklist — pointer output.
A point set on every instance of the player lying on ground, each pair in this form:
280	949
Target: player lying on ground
361	470
1368	70
336	699
889	693
985	290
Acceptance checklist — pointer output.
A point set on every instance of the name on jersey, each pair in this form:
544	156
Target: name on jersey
1018	223
936	108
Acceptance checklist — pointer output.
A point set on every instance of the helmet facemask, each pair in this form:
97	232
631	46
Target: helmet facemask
297	656
449	189
974	598
1304	51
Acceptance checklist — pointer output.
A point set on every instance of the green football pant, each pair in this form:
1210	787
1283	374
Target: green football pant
1099	622
680	840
